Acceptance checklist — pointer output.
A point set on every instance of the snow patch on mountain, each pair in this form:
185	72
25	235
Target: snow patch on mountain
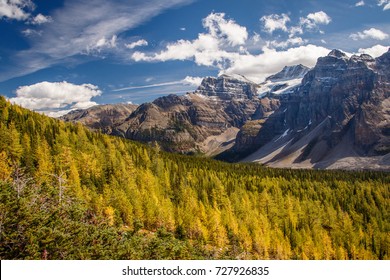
283	82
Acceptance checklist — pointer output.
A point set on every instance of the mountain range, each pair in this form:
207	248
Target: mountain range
333	116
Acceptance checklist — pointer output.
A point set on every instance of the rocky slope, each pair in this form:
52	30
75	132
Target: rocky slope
101	117
205	121
339	117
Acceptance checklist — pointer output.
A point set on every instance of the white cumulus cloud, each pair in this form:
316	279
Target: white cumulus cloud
192	81
135	44
319	18
312	20
222	42
385	4
227	29
281	22
374	51
293	41
360	4
275	22
213	49
15	9
56	97
371	33
271	61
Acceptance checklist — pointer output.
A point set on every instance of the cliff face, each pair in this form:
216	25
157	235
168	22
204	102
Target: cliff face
340	110
353	93
228	88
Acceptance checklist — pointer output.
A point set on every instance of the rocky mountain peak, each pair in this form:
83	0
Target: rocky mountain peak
338	54
328	69
289	72
228	87
168	101
283	82
338	117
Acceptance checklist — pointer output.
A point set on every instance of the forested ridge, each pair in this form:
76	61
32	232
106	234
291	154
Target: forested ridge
69	193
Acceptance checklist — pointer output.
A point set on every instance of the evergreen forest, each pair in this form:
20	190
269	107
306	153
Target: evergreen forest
69	193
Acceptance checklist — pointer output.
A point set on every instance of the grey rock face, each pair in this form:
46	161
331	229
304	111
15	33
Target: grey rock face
228	87
349	98
350	91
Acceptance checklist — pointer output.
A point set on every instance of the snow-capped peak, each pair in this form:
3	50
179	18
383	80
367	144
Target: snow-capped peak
283	82
236	77
289	73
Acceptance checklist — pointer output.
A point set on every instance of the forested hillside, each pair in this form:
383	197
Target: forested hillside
68	193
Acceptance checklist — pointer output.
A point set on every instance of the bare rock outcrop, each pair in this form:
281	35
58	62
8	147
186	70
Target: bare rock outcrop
349	98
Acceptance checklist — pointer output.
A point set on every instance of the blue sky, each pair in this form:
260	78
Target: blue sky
60	55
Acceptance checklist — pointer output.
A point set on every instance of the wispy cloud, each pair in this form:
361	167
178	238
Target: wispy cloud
79	26
191	81
293	41
150	86
135	44
31	32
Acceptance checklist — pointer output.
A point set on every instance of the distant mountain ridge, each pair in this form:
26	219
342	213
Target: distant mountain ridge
101	117
335	115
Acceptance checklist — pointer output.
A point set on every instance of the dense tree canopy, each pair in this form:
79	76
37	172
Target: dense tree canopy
69	193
